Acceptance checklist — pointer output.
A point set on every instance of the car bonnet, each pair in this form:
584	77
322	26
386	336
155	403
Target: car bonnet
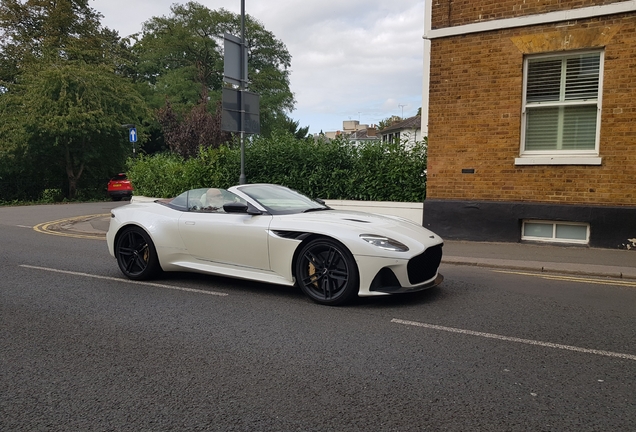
334	221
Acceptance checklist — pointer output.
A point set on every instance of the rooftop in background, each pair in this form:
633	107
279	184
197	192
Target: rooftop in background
414	122
407	132
353	130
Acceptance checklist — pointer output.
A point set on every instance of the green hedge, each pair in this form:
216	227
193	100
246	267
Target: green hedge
336	169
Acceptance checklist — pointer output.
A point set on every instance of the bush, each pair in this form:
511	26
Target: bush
335	169
316	168
388	171
52	195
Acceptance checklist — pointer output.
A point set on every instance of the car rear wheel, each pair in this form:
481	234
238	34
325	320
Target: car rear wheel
136	254
327	272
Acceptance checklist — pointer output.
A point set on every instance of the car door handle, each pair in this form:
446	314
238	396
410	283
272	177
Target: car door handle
189	222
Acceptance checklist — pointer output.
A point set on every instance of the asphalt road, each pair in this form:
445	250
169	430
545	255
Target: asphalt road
84	349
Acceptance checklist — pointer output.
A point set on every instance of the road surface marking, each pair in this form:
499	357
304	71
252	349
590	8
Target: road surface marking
125	280
47	227
626	283
514	339
24	226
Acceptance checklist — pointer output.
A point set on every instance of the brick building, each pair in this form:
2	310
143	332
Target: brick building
531	120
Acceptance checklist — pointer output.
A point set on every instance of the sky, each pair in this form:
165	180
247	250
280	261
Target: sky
351	59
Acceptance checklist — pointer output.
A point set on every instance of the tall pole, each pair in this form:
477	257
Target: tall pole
242	179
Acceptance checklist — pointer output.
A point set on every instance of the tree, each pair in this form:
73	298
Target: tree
292	126
43	30
199	129
72	113
390	121
63	91
180	59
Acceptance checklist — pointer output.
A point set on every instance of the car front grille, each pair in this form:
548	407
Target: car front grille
424	266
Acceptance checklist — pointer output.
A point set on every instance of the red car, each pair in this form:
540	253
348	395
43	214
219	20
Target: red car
119	187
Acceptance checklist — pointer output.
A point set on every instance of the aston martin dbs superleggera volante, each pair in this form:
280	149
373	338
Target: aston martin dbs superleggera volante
273	234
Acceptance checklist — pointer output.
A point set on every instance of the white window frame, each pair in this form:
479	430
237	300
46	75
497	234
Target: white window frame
561	157
554	238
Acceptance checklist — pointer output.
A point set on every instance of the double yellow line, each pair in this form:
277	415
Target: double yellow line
615	282
54	227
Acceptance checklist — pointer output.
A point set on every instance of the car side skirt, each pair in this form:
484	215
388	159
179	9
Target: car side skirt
227	270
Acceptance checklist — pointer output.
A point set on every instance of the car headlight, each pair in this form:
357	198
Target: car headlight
384	242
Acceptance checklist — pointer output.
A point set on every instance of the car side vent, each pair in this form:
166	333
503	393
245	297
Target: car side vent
294	235
357	220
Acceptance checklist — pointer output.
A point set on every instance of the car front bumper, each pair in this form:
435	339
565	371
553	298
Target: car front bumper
381	275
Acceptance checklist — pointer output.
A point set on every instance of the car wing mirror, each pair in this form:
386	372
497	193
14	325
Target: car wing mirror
237	207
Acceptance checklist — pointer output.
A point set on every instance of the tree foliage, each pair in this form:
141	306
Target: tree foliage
72	113
389	121
180	59
287	124
199	129
47	31
63	93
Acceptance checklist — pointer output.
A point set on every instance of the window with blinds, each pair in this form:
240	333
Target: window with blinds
562	103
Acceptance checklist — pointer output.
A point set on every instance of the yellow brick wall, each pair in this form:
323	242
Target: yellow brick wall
475	116
448	13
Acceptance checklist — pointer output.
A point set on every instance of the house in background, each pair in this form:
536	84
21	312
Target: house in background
530	114
355	131
363	135
407	131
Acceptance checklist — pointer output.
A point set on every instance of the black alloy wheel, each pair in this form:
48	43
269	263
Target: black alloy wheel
136	254
327	272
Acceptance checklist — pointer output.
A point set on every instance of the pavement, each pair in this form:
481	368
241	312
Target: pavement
577	260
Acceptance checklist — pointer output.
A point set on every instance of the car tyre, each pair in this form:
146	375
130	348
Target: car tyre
136	254
327	272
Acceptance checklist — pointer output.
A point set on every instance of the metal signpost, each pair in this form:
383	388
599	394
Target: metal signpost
240	107
132	137
240	111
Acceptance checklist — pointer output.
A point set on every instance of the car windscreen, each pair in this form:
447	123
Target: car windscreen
202	200
119	177
178	203
281	200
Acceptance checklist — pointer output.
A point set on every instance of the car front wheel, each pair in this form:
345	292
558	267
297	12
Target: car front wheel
327	272
136	254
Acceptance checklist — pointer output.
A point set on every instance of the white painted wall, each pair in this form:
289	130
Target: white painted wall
411	211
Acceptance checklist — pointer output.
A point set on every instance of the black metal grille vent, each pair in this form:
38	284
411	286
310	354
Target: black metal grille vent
424	266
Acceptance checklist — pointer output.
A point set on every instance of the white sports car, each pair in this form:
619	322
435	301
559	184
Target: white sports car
270	233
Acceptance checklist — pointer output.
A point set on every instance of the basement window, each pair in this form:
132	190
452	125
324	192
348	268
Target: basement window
555	231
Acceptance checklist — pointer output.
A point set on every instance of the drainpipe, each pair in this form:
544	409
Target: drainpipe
426	75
